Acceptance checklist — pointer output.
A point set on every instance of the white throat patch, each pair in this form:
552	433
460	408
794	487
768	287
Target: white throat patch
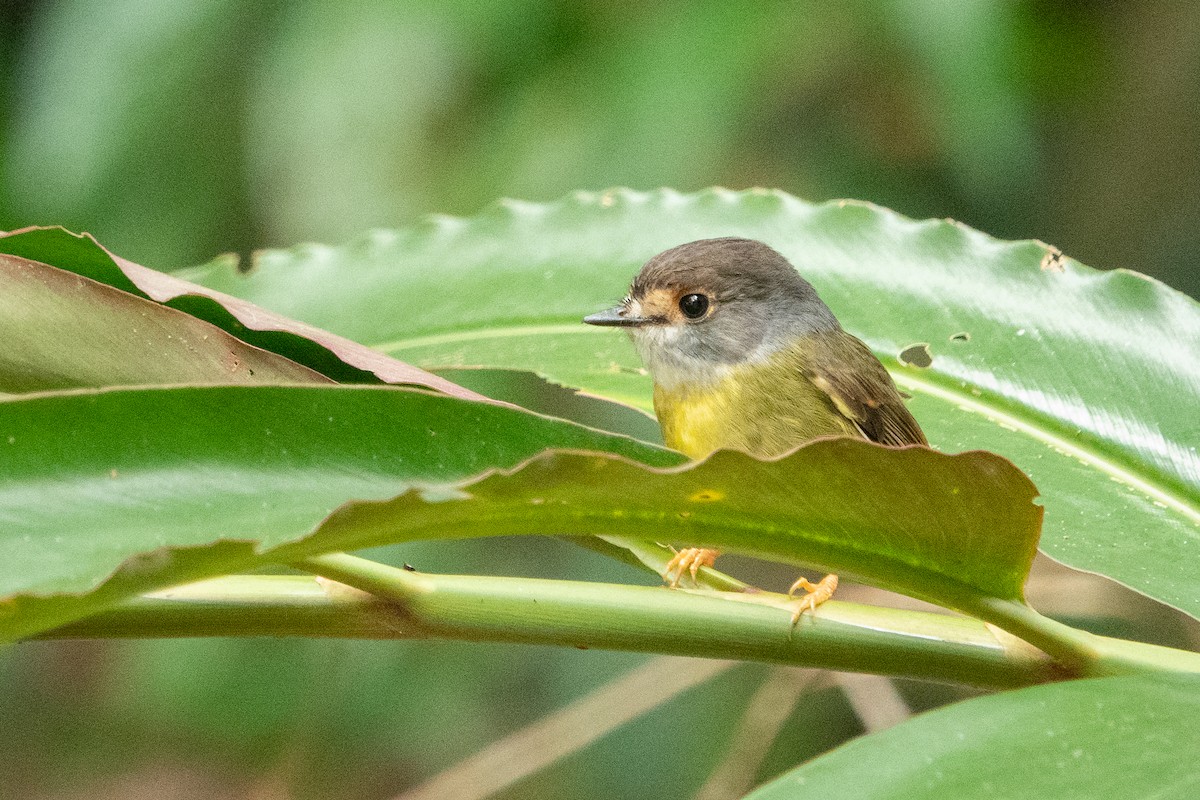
670	366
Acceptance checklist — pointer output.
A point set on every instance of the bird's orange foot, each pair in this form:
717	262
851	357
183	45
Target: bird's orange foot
689	560
818	593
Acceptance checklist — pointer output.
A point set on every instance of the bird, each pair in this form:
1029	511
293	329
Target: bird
744	355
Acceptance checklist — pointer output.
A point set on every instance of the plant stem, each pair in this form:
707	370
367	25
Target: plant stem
1074	649
244	605
850	645
1077	652
1081	653
409	605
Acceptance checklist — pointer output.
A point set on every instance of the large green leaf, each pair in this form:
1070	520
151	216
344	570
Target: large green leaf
160	486
1129	737
1087	380
197	481
950	529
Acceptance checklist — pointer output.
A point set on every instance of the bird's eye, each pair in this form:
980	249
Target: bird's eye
693	306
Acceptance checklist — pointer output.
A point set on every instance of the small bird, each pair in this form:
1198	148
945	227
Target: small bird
745	356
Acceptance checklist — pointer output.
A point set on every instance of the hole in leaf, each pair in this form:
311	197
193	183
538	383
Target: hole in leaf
961	336
917	355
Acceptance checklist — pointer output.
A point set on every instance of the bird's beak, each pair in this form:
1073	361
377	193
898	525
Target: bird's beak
617	316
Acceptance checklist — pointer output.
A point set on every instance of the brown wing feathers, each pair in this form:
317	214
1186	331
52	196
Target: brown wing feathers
863	392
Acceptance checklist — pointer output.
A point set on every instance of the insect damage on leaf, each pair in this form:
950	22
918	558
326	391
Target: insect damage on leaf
1052	261
917	355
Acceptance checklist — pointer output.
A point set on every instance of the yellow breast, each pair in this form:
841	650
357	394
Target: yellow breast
764	409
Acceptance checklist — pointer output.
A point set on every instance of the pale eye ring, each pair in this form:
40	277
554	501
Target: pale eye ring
693	306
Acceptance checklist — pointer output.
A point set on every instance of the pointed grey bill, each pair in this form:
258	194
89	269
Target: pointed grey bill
615	316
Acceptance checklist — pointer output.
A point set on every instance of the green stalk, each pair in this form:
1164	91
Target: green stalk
1077	652
1082	653
408	605
245	605
850	646
390	603
1074	649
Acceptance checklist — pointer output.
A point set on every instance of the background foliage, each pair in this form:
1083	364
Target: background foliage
174	131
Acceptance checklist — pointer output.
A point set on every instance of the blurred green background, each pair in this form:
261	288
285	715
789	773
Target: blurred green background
178	130
175	130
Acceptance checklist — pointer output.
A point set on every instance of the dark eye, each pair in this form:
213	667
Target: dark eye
693	306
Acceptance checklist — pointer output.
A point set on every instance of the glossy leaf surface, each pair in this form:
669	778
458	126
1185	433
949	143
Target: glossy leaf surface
1088	381
165	485
946	528
190	482
1132	737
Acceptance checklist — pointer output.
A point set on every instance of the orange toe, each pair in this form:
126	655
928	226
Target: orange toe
818	593
688	561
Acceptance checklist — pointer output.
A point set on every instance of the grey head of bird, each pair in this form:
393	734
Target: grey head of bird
697	311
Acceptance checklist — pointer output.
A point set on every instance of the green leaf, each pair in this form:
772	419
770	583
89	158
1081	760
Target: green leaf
330	355
524	389
829	525
1086	380
1130	737
129	490
196	481
64	331
950	529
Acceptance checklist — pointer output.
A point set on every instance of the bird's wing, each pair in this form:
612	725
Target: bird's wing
863	392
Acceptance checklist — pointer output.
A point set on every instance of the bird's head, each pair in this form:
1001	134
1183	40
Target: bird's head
698	310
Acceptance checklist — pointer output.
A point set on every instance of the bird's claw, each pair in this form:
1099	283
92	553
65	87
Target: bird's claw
818	593
689	560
